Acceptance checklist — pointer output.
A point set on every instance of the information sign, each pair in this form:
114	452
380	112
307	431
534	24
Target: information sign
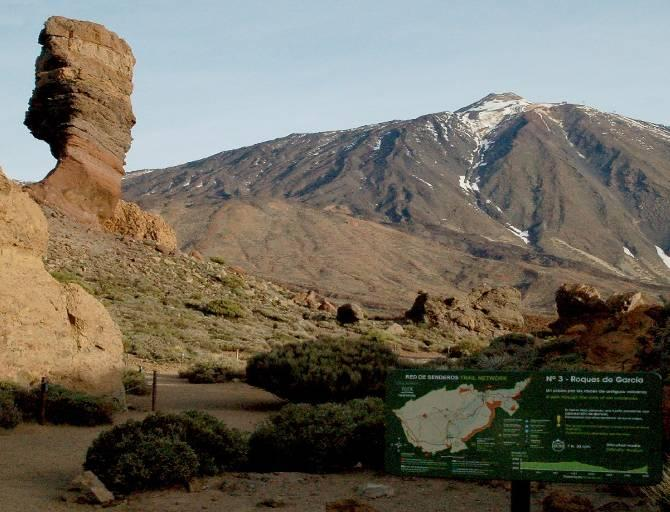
550	426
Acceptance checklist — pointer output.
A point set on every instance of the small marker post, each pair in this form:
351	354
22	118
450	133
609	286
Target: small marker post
44	389
154	390
520	501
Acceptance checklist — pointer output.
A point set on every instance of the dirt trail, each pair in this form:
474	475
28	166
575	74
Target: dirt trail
36	464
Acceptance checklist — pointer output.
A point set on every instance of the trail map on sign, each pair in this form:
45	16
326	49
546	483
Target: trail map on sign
551	426
448	418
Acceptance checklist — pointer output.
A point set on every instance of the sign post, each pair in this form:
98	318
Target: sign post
525	426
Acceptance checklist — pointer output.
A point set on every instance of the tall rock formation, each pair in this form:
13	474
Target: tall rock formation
46	328
81	108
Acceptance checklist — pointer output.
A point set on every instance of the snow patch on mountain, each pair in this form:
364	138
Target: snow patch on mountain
522	234
664	257
468	186
485	116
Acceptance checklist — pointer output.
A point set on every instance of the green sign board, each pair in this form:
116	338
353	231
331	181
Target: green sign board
553	426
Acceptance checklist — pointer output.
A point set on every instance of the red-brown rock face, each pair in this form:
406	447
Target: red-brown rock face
81	107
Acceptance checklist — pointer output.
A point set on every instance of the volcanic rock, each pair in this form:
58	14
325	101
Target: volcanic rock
577	300
485	312
81	108
46	328
130	220
350	313
610	334
87	488
314	300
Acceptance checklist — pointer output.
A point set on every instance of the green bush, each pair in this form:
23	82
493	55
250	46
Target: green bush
213	372
326	370
524	352
62	405
220	307
218	260
164	450
320	438
135	383
10	415
73	407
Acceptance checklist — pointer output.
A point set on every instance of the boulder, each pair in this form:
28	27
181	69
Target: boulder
47	328
374	491
484	313
87	488
81	107
622	303
313	300
310	299
573	301
350	313
562	502
395	329
130	220
327	307
196	255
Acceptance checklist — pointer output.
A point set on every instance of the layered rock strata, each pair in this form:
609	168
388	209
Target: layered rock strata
81	108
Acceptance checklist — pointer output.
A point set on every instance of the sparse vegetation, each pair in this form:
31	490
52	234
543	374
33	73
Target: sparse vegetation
211	372
660	493
326	370
320	438
66	277
164	450
135	383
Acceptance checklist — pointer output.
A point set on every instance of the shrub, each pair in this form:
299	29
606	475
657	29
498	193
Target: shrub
220	307
73	407
164	450
320	438
135	383
10	415
518	351
62	406
218	260
213	372
326	370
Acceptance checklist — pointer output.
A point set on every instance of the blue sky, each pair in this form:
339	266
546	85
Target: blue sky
215	75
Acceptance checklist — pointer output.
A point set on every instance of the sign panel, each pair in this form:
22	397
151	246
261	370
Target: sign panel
552	426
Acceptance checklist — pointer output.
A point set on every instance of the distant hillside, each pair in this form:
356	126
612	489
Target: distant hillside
503	191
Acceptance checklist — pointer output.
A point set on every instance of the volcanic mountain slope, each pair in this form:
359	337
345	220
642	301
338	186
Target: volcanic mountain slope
503	190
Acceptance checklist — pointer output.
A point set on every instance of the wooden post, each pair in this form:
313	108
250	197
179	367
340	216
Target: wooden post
154	389
44	389
520	496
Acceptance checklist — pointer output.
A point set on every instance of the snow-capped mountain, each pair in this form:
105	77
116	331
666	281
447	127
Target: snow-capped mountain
504	181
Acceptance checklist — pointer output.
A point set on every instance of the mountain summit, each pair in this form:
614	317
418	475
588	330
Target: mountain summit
503	191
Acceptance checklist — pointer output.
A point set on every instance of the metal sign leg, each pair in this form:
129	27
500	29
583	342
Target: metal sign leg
520	496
